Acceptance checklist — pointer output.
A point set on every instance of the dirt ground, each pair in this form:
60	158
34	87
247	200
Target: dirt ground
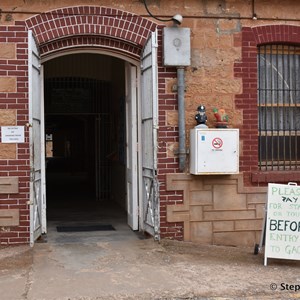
145	269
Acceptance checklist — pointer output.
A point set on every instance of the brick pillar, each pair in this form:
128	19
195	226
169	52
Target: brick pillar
14	157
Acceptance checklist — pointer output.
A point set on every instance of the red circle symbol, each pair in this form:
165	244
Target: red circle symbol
217	143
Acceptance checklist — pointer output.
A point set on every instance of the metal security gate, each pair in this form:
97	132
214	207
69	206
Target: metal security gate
149	126
85	101
36	137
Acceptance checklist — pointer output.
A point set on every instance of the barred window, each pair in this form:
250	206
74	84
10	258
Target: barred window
279	107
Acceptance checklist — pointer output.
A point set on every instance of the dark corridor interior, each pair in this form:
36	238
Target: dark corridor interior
85	138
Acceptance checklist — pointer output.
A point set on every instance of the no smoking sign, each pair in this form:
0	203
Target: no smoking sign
217	143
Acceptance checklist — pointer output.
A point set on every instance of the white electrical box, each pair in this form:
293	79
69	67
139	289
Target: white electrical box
214	151
177	46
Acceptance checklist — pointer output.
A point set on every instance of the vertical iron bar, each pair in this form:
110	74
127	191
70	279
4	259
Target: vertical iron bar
259	108
278	101
272	107
297	82
286	53
289	119
284	84
265	108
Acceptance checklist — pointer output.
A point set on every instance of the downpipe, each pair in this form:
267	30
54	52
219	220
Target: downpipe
181	118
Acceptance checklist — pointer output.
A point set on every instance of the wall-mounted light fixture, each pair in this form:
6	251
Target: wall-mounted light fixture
177	19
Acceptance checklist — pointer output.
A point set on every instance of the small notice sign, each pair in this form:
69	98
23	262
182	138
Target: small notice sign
217	143
283	222
12	134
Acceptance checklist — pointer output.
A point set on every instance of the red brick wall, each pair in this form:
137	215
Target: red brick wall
103	27
125	33
247	101
167	135
17	101
55	32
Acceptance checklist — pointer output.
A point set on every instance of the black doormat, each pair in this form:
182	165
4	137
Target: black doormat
79	228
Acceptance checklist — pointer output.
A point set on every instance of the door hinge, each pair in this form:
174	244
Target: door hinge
32	174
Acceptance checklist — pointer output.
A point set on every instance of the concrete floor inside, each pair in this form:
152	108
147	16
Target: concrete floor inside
71	203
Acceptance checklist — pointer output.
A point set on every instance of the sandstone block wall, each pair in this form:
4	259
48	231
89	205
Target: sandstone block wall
217	210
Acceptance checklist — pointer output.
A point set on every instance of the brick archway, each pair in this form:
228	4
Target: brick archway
124	33
90	26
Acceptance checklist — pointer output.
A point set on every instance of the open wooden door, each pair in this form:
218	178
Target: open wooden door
131	146
149	127
36	139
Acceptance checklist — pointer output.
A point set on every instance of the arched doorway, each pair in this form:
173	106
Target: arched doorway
85	129
74	119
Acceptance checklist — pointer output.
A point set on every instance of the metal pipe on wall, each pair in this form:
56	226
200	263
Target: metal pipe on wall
181	117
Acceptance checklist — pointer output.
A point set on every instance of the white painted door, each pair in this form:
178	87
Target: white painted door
36	139
131	145
149	127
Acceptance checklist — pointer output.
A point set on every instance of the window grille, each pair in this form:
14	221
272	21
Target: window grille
279	107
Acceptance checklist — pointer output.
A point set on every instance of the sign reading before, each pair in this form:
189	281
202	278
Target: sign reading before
283	222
